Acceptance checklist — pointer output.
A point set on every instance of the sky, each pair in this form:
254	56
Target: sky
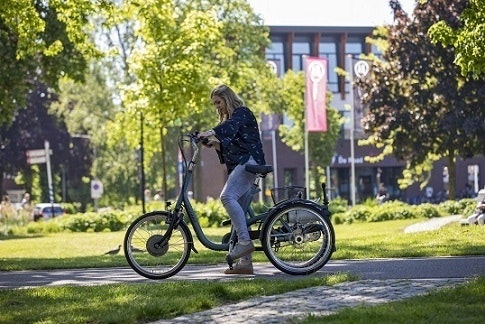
358	13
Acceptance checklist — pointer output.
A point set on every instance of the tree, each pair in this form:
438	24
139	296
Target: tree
31	127
421	107
184	48
86	108
40	41
466	35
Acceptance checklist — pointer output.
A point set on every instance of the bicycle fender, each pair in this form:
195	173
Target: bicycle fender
324	211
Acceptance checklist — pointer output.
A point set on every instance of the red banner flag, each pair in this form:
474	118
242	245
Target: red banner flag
315	94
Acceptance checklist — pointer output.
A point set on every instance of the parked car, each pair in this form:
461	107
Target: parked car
46	211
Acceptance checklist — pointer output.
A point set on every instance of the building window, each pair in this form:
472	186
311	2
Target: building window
300	49
328	49
376	51
275	55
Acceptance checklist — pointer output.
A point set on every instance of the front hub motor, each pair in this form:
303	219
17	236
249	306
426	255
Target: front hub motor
155	245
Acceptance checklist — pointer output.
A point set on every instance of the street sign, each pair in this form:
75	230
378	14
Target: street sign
37	156
36	159
96	189
35	153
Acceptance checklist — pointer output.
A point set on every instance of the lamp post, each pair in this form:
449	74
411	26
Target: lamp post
142	168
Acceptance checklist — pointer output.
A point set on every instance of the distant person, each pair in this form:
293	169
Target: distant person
7	211
147	194
468	192
429	194
158	196
479	216
26	201
382	194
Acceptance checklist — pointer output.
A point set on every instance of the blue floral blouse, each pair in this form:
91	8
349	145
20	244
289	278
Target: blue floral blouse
240	139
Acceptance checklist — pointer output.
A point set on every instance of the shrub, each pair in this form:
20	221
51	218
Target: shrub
338	218
338	205
452	207
358	213
42	226
426	210
390	210
211	214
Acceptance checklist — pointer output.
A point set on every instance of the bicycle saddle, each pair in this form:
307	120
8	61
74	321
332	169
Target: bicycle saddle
259	169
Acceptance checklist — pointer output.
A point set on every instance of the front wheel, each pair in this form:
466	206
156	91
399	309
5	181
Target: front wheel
148	254
298	238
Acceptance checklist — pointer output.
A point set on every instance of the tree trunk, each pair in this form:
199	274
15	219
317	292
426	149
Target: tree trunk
452	174
164	164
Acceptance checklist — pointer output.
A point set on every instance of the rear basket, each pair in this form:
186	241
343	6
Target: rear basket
291	192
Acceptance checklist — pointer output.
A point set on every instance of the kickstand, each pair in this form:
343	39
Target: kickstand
229	259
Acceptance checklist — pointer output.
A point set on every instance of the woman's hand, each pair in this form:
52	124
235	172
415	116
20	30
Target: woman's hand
206	134
212	143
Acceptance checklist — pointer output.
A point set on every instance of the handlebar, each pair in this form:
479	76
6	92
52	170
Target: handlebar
195	143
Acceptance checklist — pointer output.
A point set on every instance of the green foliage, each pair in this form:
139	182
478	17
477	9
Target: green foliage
106	221
95	222
321	145
45	39
41	226
394	210
421	108
338	205
466	37
172	54
468	206
452	207
359	213
426	210
211	213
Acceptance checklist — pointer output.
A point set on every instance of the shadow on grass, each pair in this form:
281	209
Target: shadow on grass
103	261
21	236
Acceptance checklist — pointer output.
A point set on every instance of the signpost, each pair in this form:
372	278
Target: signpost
43	156
96	192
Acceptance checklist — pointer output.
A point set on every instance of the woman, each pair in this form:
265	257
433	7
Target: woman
237	143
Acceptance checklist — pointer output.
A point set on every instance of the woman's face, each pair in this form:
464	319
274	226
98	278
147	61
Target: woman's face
220	105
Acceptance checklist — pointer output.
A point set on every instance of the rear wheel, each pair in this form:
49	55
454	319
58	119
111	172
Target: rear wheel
148	254
298	239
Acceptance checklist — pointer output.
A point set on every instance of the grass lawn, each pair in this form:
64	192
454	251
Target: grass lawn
356	241
141	303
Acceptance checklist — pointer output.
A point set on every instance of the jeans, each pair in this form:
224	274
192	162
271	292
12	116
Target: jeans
237	184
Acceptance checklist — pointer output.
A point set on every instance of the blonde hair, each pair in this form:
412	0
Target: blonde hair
231	99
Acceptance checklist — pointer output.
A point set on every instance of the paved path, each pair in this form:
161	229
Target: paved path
370	269
322	300
432	224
